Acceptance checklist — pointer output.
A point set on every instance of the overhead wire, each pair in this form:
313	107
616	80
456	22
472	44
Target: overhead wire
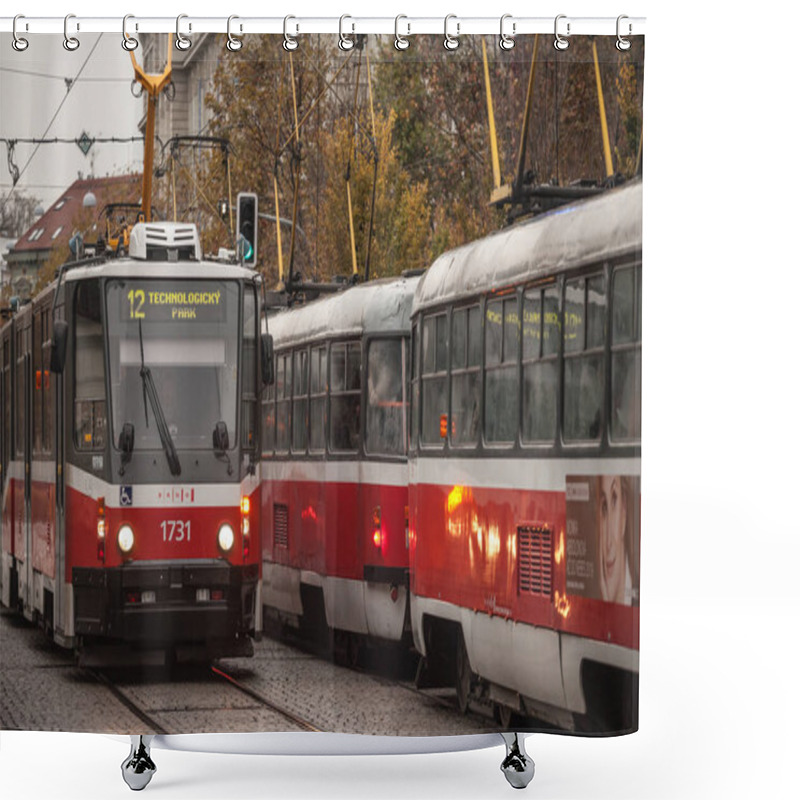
70	87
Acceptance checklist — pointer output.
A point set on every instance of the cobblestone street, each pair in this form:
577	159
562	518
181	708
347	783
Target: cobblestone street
42	689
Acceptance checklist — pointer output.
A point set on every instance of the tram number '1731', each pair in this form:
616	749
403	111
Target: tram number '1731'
176	530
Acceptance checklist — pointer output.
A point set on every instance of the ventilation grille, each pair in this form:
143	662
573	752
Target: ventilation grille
535	561
281	530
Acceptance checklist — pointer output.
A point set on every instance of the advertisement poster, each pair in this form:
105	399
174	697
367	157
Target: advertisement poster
603	529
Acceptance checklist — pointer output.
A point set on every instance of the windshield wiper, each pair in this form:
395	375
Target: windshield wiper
150	393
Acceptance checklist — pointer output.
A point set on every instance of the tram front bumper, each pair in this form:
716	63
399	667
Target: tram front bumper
164	604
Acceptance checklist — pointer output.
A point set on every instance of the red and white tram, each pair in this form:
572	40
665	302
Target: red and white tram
129	394
525	463
334	466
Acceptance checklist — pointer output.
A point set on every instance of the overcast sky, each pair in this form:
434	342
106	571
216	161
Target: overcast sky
100	103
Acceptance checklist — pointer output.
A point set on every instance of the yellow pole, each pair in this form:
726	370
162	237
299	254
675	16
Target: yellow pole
352	229
490	111
523	137
153	85
603	123
278	227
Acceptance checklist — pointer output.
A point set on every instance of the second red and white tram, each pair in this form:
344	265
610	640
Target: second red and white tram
334	466
130	392
525	465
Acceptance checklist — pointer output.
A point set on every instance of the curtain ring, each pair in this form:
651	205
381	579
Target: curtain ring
234	43
506	41
623	44
345	43
128	42
70	42
289	42
17	42
560	42
182	42
451	42
400	42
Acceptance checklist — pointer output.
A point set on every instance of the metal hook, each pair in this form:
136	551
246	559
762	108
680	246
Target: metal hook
289	42
128	42
451	42
560	42
18	43
506	41
70	42
234	43
345	43
400	42
623	44
182	42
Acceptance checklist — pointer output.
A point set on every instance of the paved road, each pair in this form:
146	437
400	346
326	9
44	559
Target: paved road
41	689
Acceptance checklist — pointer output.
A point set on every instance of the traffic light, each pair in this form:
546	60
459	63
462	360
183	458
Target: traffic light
247	227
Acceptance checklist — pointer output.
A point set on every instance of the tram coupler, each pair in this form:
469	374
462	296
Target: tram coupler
517	766
138	768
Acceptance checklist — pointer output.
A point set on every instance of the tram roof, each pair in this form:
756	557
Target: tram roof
380	306
583	232
133	268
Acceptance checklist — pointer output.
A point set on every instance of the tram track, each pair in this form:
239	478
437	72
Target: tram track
134	708
266	702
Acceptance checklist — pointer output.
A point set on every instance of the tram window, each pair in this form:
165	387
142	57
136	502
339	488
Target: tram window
38	384
300	402
47	388
90	382
284	393
19	384
626	355
540	365
318	388
465	377
502	346
434	380
249	398
345	427
268	420
413	410
583	358
386	397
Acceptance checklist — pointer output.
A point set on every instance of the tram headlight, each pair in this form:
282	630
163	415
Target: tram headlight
225	537
125	538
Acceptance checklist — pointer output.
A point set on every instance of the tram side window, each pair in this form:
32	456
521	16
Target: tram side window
626	354
434	380
283	390
540	336
90	378
318	386
345	433
584	338
300	402
249	397
502	352
386	397
413	411
38	383
19	384
47	388
465	381
268	420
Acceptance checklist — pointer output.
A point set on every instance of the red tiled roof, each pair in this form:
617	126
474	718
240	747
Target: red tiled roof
57	223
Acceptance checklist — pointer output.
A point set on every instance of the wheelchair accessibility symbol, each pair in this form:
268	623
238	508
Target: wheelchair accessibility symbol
126	495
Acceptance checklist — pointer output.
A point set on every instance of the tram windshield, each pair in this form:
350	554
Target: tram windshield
185	333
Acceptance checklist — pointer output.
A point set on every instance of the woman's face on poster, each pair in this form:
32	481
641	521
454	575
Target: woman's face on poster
611	520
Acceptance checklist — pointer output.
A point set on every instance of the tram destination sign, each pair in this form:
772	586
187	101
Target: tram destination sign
184	301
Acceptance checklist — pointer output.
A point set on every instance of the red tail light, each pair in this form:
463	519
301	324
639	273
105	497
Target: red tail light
101	529
245	509
377	534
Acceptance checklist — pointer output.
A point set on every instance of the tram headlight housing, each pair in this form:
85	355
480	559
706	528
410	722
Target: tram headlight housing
225	537
125	538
